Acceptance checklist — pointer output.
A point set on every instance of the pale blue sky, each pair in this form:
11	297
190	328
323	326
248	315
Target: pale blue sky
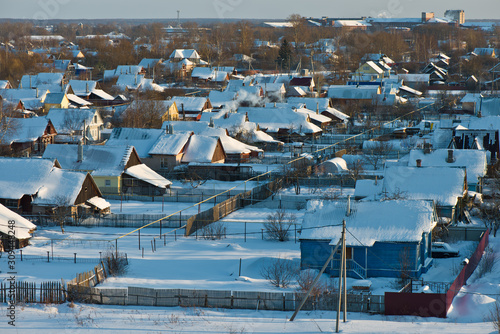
279	9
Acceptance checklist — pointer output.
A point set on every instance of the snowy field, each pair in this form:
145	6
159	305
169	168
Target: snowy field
204	264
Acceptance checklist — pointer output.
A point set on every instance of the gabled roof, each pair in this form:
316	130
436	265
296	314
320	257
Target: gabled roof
22	176
22	227
100	160
274	119
185	53
368	221
170	144
54	98
60	184
67	120
33	81
190	103
31	98
474	161
141	139
181	126
82	87
146	174
150	62
444	185
200	149
25	129
361	92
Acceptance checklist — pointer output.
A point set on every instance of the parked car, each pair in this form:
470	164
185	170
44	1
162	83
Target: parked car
442	249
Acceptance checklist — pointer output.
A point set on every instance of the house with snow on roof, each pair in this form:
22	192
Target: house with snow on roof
72	124
446	186
322	106
379	234
285	124
14	235
191	107
24	99
35	186
116	169
29	136
474	162
55	100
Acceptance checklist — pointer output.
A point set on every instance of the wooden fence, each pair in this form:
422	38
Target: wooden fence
29	292
273	301
230	205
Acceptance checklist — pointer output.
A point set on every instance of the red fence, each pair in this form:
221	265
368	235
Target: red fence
467	270
433	304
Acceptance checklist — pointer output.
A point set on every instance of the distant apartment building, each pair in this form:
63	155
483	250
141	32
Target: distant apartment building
457	15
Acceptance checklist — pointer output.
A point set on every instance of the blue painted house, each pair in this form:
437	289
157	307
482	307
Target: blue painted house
382	237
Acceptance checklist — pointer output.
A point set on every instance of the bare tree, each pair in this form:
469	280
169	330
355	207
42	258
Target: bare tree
378	153
62	212
214	231
279	272
279	224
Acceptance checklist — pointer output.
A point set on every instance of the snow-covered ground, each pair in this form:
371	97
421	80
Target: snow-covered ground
205	264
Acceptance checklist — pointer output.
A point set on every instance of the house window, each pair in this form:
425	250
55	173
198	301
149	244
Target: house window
163	163
108	183
11	203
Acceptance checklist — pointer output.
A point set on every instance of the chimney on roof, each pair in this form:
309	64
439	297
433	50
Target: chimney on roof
80	151
211	124
427	148
450	159
37	92
87	87
317	107
419	163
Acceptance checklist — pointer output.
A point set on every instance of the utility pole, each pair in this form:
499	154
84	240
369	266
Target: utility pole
341	277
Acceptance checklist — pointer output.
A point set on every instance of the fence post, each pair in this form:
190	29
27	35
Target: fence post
175	235
160	228
48	256
74	258
21	251
245	231
143	252
139	239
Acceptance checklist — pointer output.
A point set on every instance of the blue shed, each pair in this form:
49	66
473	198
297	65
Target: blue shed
383	238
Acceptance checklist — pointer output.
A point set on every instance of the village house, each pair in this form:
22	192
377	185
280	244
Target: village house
55	100
380	234
116	169
14	236
29	136
190	107
72	124
40	186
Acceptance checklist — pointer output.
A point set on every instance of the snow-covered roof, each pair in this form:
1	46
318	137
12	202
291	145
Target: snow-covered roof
60	185
368	221
68	120
82	87
474	161
149	62
22	227
146	174
37	80
24	129
77	101
190	103
20	176
181	126
32	99
444	185
102	94
313	116
100	160
185	54
370	189
204	73
200	149
99	202
54	98
334	165
274	119
170	144
141	139
230	145
360	92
